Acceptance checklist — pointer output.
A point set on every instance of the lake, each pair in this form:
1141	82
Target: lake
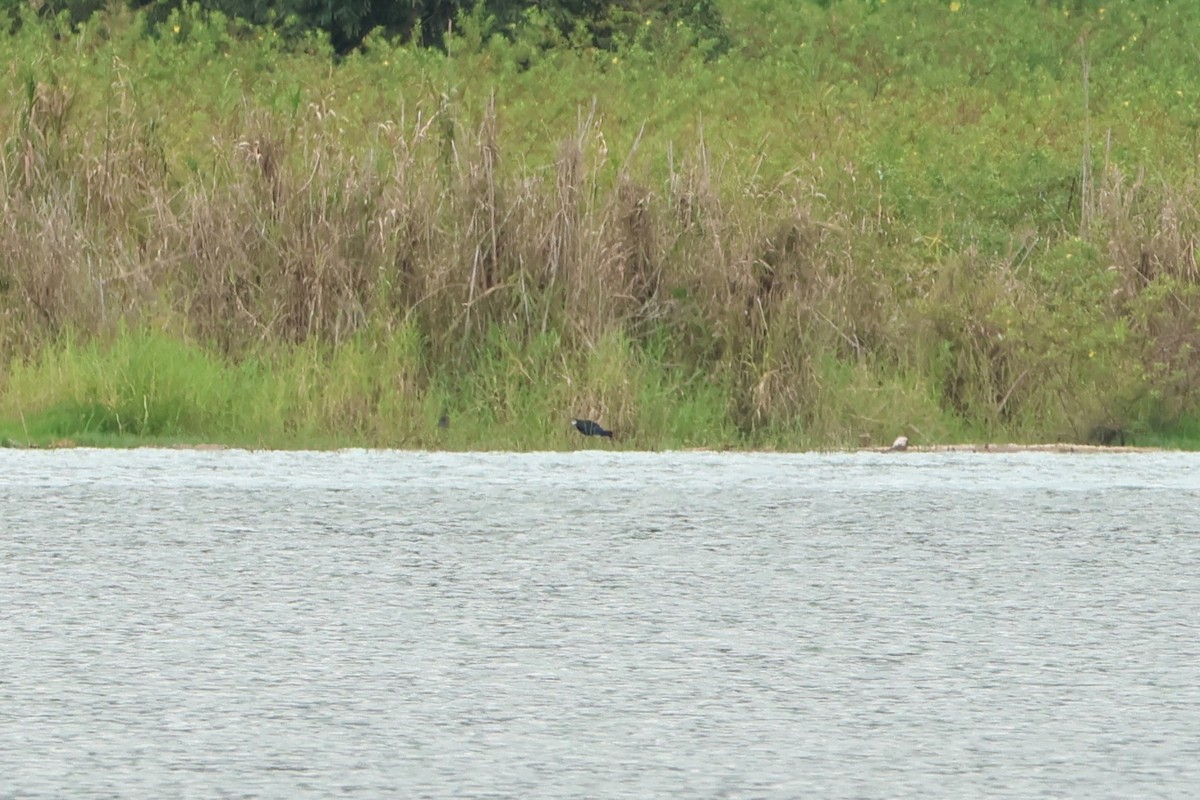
597	624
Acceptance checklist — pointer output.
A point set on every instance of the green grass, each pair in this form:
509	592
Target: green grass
149	388
1181	434
863	219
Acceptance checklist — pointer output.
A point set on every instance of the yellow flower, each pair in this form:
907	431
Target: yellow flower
176	29
1091	353
955	6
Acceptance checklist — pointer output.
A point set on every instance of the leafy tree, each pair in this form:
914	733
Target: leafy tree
347	21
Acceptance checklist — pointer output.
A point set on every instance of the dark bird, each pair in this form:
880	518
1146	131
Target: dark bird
444	420
589	428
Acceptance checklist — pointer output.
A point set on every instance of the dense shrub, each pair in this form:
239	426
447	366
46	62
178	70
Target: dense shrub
601	22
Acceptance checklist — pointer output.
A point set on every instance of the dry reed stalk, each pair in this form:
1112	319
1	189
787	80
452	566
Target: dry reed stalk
1152	234
484	229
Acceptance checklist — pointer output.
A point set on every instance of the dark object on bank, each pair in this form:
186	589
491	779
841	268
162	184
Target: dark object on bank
444	421
1107	435
589	428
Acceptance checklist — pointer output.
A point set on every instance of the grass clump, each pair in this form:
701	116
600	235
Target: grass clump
139	385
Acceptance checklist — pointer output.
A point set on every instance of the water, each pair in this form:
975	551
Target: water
597	624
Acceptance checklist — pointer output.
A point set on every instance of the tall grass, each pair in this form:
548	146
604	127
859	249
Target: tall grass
863	220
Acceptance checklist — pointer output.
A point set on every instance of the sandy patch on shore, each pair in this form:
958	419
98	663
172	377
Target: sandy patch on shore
1015	448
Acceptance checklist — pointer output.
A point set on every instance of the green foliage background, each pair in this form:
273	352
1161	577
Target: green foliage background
423	22
784	225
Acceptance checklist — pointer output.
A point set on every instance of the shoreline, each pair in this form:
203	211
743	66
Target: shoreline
985	448
996	447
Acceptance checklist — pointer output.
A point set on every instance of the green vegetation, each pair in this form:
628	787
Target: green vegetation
604	23
960	221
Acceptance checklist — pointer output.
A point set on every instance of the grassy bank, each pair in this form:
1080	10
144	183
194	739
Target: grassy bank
863	220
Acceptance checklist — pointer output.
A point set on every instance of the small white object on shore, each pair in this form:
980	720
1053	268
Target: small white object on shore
901	443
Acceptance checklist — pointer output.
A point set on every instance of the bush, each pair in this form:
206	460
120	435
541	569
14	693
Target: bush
602	23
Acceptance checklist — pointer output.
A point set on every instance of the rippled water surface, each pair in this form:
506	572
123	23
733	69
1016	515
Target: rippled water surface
597	624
